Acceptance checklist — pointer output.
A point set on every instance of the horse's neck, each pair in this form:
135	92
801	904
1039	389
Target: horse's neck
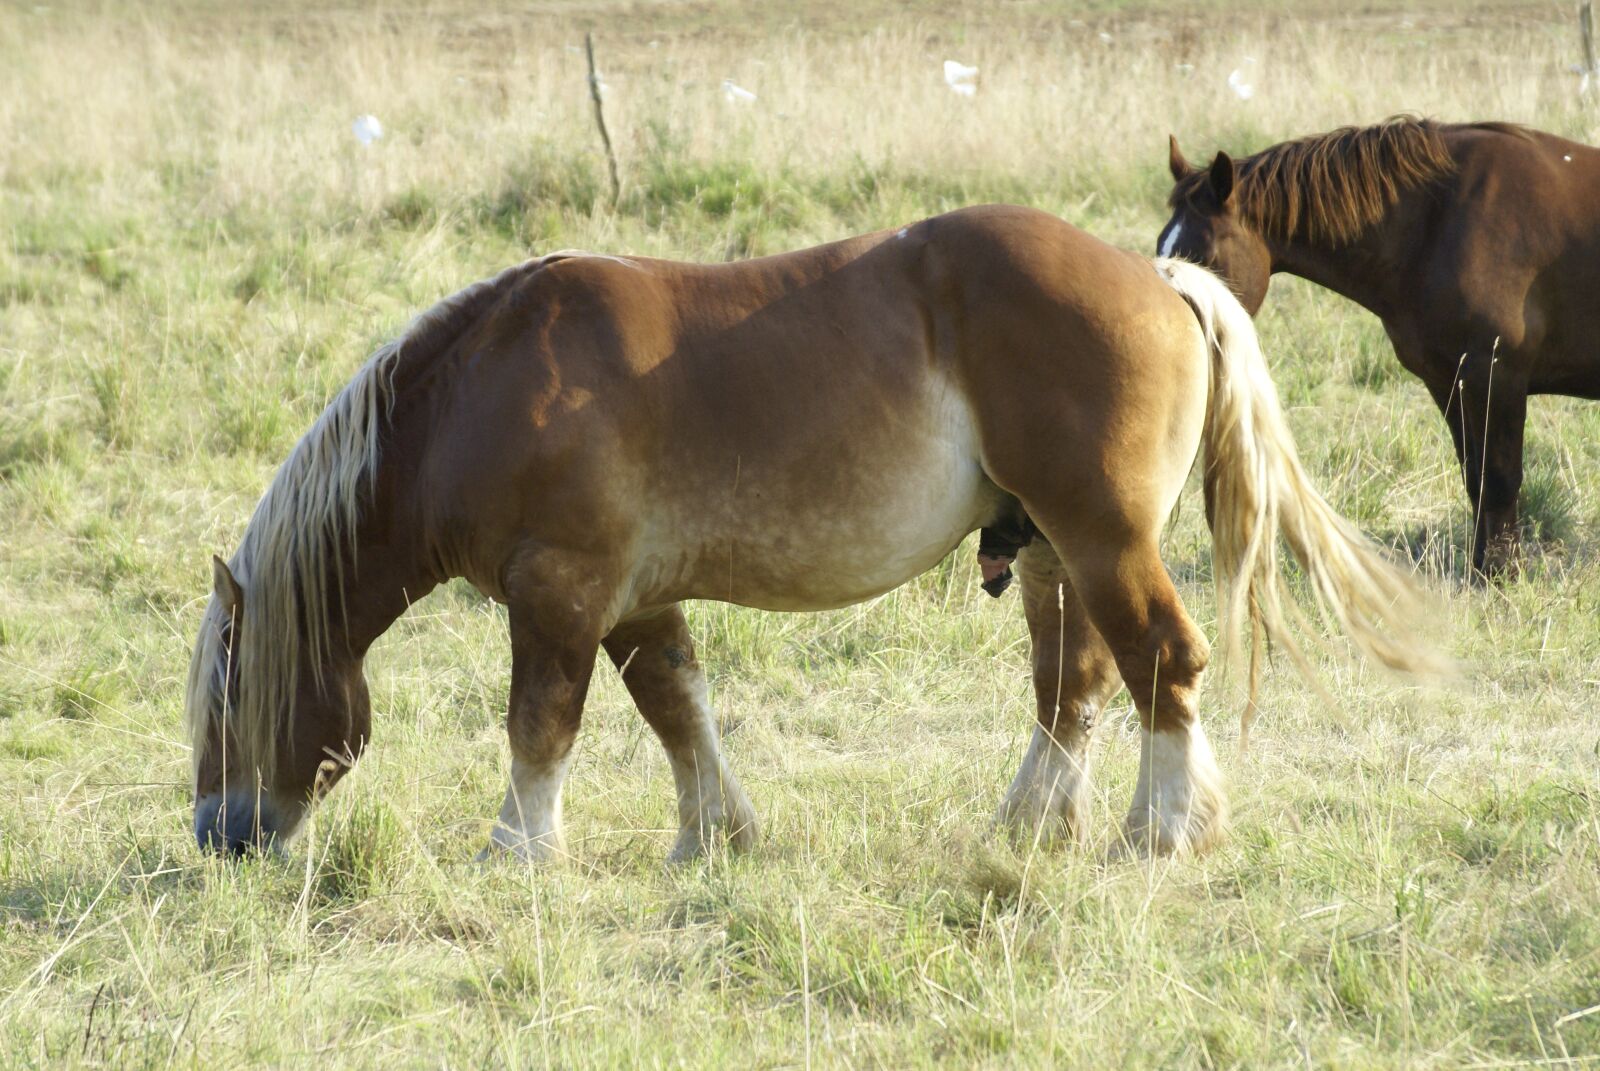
1368	270
388	570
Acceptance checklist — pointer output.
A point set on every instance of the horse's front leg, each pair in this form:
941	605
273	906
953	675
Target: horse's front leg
554	642
657	661
1487	408
1074	675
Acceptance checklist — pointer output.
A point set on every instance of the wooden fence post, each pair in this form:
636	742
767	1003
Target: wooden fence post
600	120
1591	69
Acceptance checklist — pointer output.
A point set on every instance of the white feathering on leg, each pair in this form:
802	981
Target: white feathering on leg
529	826
1047	798
1178	804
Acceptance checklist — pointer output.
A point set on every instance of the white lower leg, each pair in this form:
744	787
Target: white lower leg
1178	804
529	825
710	799
1047	798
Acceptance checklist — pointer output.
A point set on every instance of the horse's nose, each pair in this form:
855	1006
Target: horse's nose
228	825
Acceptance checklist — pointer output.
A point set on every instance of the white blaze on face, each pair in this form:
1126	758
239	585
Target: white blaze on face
1170	242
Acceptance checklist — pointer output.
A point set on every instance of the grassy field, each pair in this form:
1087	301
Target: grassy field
197	253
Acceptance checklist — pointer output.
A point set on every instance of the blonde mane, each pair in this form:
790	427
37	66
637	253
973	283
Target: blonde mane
298	543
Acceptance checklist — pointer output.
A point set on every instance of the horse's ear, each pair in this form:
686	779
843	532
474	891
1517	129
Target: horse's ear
230	596
1222	177
1175	162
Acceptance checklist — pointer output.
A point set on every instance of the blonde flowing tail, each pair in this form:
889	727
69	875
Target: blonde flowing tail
1257	488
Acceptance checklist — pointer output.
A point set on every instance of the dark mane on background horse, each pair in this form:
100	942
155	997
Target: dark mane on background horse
294	552
1329	188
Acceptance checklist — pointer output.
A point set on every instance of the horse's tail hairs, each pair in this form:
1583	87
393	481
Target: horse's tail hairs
1259	489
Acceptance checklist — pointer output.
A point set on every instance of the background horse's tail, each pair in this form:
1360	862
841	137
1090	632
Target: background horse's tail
1256	488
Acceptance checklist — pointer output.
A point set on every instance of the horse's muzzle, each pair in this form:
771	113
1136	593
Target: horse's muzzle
234	825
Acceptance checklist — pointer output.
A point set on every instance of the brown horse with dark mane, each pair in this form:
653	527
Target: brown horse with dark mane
592	440
1477	245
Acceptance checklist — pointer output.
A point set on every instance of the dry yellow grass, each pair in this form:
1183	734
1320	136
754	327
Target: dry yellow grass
259	105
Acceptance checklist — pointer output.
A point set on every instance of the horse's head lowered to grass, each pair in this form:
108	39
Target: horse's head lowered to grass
277	705
252	791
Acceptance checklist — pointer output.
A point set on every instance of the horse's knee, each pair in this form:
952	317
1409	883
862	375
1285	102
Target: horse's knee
541	733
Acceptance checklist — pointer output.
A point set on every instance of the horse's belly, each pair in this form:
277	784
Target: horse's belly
862	548
848	524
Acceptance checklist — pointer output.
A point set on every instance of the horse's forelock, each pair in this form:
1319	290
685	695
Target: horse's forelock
207	670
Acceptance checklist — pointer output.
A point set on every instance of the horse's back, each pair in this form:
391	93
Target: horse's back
1549	184
1516	251
739	343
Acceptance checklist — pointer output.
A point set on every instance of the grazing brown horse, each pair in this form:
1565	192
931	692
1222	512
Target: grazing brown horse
592	440
1477	245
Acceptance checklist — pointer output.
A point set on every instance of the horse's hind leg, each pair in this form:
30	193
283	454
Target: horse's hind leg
1107	538
1073	677
657	662
1178	802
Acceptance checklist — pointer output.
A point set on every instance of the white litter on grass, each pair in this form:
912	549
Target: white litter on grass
1588	81
1105	38
961	79
1242	80
367	129
736	94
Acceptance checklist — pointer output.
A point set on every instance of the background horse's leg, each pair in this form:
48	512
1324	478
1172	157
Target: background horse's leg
656	658
1493	408
1073	677
1484	401
552	659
